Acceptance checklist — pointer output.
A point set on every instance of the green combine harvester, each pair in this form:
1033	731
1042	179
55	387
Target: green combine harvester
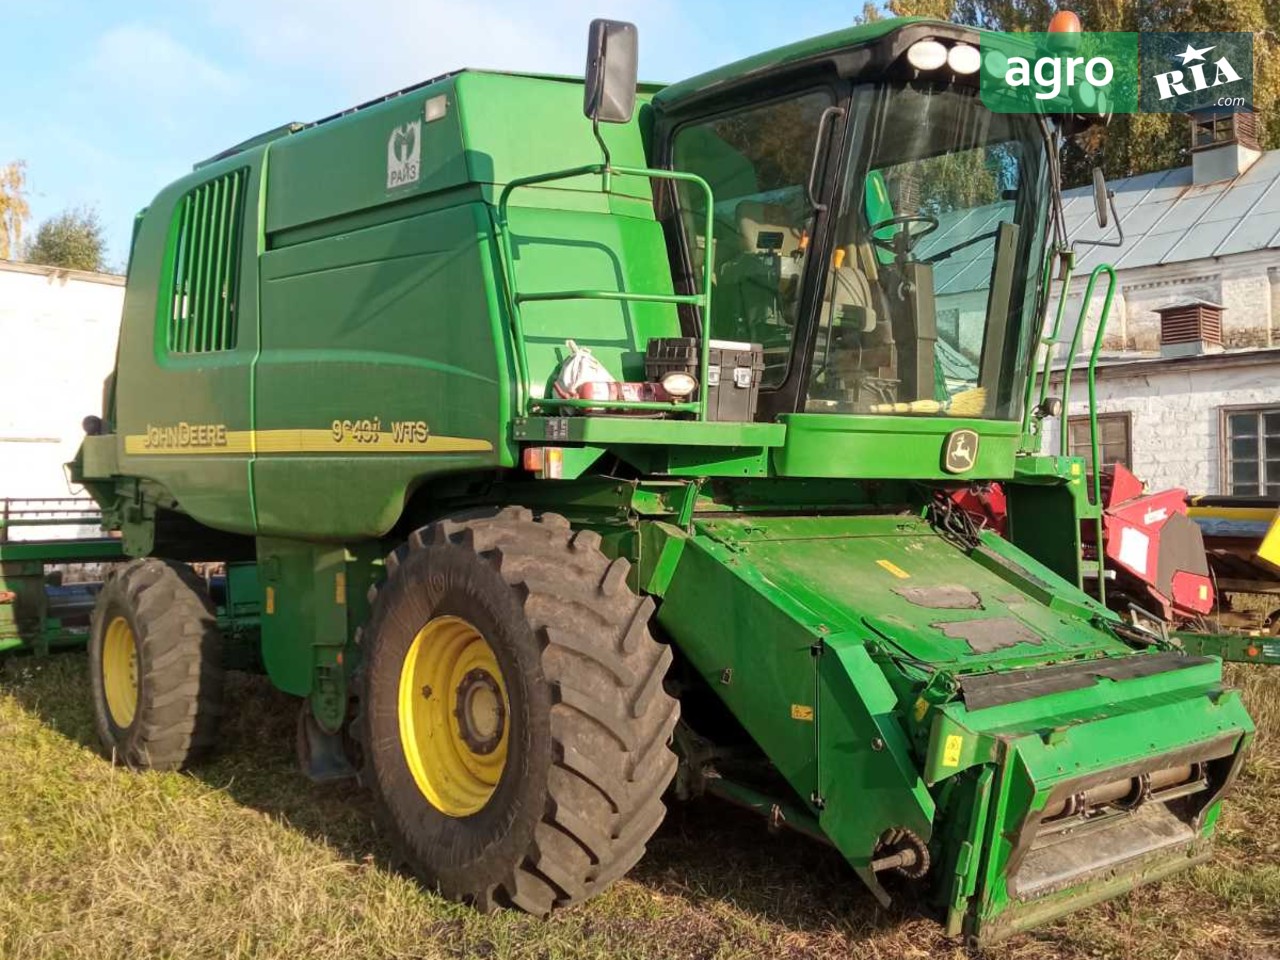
558	485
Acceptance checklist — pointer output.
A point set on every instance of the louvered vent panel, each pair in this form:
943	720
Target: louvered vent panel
1187	324
203	312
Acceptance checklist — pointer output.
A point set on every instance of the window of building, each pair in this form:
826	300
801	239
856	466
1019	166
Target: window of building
1113	439
205	266
1213	130
1253	452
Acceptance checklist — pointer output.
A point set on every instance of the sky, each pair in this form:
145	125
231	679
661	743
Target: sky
109	100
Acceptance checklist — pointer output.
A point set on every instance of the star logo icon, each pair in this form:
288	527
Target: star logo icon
1191	53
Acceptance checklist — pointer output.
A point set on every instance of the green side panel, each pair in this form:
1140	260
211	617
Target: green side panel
381	342
494	127
824	716
753	647
1043	521
569	250
869	780
293	610
908	448
894	578
313	599
1234	647
516	126
157	389
343	166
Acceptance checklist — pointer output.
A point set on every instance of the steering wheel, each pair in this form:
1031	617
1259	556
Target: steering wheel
901	243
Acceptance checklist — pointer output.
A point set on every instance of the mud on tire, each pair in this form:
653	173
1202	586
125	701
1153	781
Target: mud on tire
588	754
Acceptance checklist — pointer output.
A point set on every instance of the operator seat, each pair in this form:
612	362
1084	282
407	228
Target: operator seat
855	341
758	286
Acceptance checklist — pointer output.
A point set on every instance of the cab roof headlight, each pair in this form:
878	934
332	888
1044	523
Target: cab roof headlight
964	59
926	55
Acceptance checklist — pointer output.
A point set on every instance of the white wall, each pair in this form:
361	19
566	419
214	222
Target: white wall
58	333
1175	429
1246	284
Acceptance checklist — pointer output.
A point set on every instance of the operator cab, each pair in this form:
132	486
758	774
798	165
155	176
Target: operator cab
877	230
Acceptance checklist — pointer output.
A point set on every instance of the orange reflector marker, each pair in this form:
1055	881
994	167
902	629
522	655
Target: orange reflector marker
1064	32
546	462
1064	21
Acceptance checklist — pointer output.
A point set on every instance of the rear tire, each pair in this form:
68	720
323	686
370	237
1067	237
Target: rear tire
571	762
155	666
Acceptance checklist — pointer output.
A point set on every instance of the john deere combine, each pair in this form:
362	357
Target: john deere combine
560	480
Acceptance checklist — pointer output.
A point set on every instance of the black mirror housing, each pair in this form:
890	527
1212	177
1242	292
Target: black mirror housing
612	60
1100	197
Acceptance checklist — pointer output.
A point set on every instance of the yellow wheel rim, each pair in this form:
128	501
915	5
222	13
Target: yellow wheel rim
453	711
120	671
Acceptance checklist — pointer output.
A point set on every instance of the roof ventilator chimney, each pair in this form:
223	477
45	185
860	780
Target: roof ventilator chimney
1224	144
1190	327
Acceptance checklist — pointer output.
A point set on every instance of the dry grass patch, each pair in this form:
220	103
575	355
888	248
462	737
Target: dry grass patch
245	858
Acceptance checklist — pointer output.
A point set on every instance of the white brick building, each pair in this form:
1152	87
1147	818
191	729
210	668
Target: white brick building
1196	410
58	331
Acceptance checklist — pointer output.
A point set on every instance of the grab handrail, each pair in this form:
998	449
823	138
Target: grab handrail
702	300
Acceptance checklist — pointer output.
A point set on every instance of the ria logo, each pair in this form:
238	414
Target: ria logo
404	151
1194	76
1186	72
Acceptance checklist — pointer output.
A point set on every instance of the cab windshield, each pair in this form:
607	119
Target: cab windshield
929	296
931	250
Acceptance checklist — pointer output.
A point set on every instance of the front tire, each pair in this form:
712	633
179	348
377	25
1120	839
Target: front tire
155	666
514	722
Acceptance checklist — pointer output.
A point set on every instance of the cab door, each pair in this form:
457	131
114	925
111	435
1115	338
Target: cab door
769	164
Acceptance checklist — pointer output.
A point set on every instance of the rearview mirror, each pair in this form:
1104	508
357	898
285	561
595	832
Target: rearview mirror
1100	197
610	94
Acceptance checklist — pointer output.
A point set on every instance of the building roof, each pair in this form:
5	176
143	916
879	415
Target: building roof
1121	363
1184	302
61	273
1168	219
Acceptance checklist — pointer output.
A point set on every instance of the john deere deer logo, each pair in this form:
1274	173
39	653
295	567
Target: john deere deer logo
961	451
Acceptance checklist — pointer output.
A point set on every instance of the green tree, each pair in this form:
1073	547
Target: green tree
72	239
871	13
13	208
1136	143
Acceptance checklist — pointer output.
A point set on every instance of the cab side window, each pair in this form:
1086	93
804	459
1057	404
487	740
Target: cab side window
757	162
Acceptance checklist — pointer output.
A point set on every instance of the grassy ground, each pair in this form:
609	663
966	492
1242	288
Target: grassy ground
246	859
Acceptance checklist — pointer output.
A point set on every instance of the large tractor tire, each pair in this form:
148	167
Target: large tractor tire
514	723
155	665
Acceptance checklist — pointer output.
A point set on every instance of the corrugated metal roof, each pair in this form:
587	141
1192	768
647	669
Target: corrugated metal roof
1182	302
1166	219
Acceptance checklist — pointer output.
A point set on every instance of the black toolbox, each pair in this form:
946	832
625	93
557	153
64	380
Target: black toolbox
733	372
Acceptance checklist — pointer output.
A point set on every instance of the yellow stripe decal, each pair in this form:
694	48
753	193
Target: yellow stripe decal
893	568
1232	513
1270	549
245	442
